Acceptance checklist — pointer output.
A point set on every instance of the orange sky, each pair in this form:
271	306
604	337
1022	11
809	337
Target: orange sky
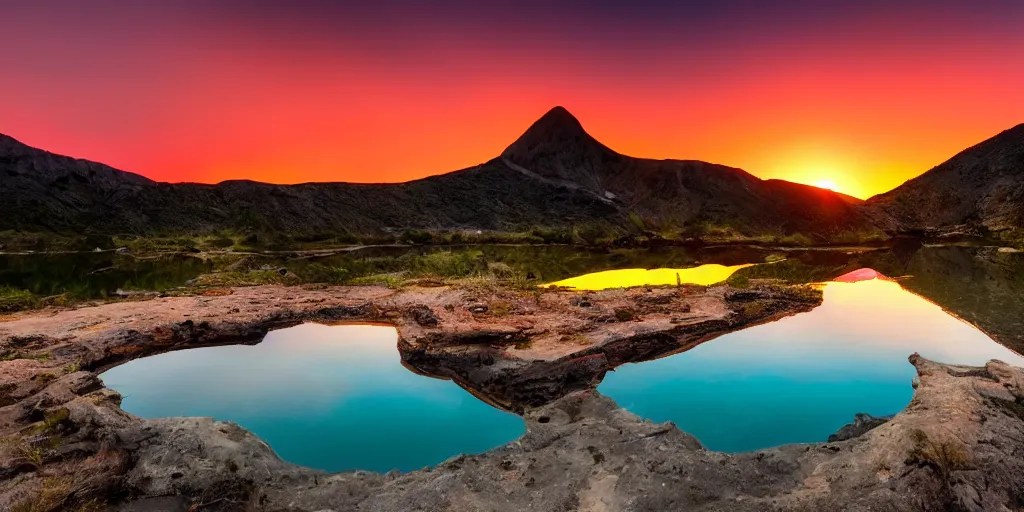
864	99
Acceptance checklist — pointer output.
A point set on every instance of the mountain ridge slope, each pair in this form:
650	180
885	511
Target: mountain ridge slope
554	175
981	186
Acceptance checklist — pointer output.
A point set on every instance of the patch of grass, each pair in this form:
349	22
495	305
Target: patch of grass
320	273
753	309
738	281
863	236
33	454
250	278
449	264
54	495
11	355
62	300
416	236
944	456
14	299
45	378
806	293
501	270
72	368
391	280
795	239
54	420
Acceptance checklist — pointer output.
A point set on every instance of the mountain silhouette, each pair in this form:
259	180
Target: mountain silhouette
981	186
554	175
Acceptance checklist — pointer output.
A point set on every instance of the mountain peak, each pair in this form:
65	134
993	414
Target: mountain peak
557	147
557	131
556	127
558	118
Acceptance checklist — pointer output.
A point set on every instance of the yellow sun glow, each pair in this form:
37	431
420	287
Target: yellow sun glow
829	184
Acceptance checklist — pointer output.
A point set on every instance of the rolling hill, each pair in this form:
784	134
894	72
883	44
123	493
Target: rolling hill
981	187
554	175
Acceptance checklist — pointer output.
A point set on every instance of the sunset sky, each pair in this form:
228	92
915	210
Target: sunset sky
860	93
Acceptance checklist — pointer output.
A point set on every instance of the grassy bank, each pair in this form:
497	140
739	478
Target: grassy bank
581	235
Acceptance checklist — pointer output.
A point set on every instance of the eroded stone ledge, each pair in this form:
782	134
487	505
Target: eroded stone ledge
957	445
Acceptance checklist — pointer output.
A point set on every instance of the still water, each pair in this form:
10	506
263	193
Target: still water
800	379
332	398
703	275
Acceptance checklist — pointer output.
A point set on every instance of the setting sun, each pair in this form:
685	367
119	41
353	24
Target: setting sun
829	184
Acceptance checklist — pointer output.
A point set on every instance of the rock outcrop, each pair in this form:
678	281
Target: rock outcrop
69	445
862	424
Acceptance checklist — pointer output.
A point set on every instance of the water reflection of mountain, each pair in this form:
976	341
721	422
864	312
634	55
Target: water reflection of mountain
983	286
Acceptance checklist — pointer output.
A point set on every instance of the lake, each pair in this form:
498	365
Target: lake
800	379
96	274
338	398
332	398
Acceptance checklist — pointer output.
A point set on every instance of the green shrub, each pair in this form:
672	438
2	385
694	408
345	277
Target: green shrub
14	299
320	273
753	309
552	235
858	237
739	281
501	270
448	264
416	236
222	242
11	355
393	280
797	239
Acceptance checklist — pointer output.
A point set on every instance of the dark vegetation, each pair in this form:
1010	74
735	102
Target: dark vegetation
33	280
982	285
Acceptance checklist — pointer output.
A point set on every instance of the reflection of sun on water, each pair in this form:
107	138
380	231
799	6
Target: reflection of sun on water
703	275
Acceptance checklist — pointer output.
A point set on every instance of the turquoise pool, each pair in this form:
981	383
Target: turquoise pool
332	398
800	379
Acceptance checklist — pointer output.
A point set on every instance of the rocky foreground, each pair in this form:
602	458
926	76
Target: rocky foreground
67	444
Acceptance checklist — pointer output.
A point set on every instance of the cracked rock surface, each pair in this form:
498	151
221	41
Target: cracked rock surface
959	445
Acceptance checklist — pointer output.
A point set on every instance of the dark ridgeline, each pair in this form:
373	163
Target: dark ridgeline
45	192
677	193
983	186
554	175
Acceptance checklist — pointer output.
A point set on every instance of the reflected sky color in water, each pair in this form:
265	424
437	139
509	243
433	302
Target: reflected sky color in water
801	378
703	275
333	398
